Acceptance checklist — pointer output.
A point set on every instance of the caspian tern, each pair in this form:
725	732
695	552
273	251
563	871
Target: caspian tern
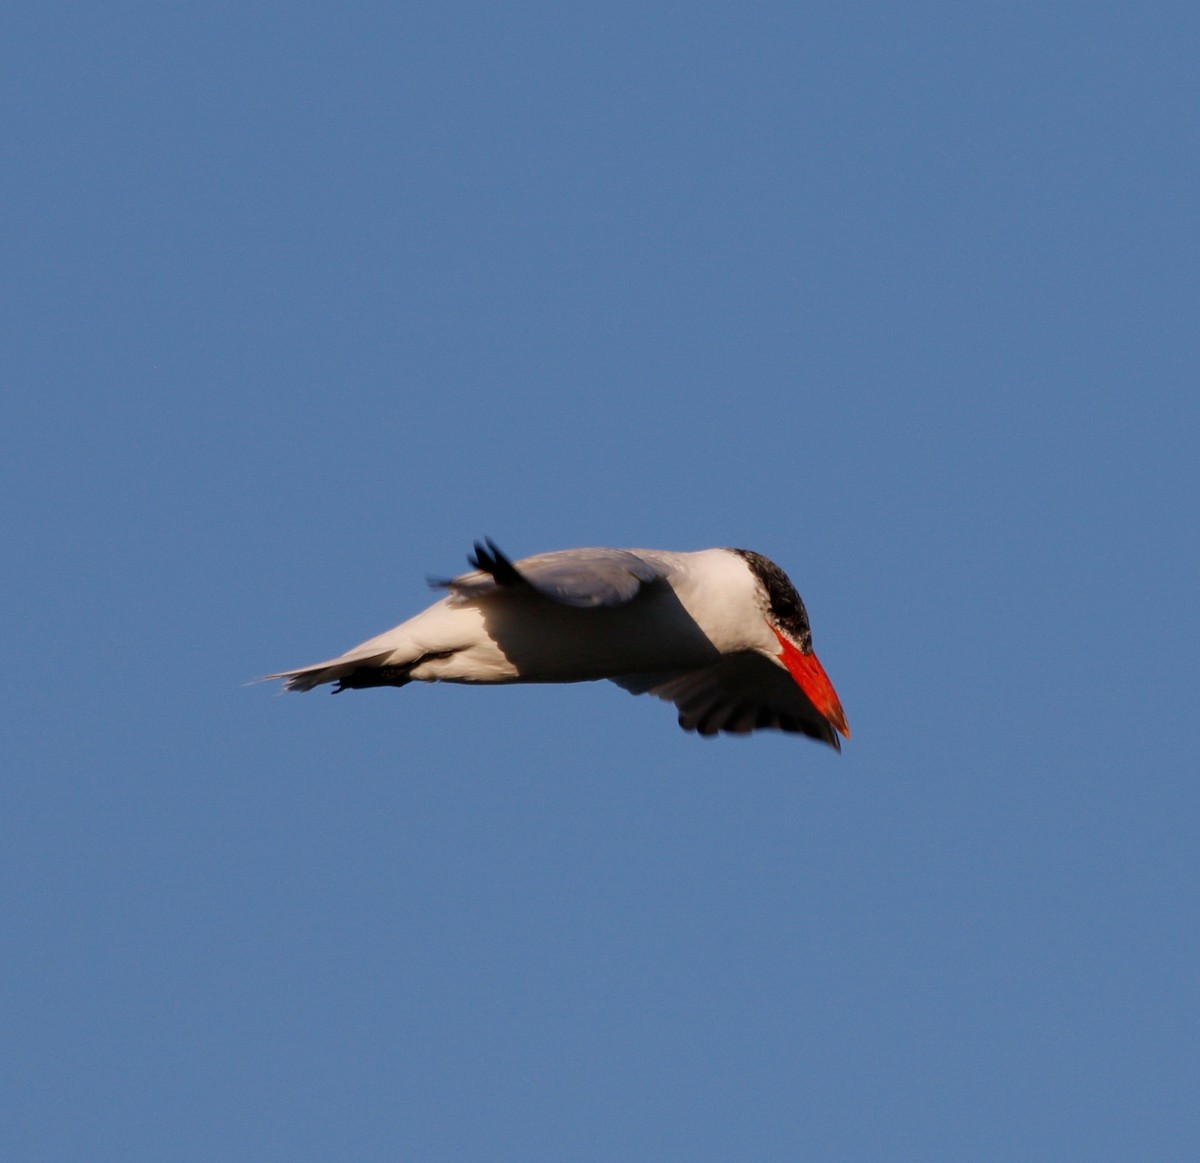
720	633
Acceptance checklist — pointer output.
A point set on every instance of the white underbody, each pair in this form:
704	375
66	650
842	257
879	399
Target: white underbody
707	609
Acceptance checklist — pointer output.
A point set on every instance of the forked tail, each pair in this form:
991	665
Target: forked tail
353	673
348	673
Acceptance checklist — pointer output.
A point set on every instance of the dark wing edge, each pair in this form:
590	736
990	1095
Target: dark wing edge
583	578
742	693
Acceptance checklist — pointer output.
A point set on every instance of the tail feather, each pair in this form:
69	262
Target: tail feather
338	670
357	673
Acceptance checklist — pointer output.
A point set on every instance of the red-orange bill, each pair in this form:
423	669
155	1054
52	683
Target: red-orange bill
811	678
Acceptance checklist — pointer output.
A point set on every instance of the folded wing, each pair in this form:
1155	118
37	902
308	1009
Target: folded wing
584	578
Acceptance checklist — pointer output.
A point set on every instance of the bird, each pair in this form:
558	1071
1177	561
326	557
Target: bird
721	633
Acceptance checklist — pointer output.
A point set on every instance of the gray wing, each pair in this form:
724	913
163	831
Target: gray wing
585	578
742	693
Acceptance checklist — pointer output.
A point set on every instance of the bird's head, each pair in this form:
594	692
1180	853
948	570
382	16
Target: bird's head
788	620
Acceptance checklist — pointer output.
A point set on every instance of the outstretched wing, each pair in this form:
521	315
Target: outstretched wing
742	693
585	578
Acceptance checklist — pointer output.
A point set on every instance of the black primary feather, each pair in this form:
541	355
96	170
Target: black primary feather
491	559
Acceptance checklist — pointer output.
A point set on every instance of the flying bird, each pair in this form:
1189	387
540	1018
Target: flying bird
721	633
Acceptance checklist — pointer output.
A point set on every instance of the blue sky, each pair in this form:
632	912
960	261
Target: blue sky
301	300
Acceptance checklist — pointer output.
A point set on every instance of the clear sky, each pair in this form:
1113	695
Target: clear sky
301	299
